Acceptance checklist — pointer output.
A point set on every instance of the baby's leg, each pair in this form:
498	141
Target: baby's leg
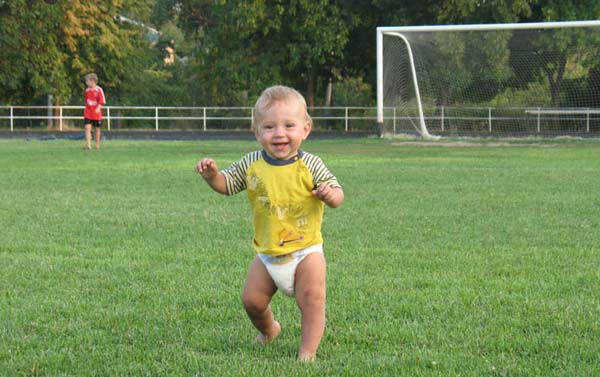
310	296
258	291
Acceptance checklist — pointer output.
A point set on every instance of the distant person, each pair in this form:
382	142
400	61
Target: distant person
92	114
286	188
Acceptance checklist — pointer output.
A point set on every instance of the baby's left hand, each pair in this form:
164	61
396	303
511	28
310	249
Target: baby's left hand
332	196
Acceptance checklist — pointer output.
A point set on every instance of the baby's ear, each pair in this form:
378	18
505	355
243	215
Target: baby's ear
307	129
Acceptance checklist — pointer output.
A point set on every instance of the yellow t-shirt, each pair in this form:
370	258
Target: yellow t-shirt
286	215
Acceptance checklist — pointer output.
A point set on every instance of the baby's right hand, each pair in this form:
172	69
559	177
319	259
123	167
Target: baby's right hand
207	168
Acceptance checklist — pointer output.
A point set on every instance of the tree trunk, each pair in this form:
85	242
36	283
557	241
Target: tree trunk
50	113
56	114
329	93
310	88
445	96
555	79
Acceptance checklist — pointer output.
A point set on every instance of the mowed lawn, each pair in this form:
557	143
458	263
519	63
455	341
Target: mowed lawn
443	261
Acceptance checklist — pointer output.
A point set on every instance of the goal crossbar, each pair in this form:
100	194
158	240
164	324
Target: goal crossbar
504	26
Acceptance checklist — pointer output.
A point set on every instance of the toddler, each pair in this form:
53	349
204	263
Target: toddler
287	189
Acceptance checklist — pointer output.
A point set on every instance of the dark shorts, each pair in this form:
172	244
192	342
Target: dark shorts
95	123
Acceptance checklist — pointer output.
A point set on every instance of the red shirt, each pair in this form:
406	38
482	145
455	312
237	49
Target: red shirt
93	98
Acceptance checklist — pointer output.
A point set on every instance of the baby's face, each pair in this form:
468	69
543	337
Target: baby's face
90	83
282	127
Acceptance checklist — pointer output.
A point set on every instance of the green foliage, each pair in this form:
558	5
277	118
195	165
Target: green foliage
229	51
96	41
164	11
172	35
160	87
352	91
476	11
566	10
536	94
460	67
52	46
30	51
246	46
555	58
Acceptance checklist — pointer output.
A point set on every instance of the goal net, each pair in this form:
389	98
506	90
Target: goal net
490	79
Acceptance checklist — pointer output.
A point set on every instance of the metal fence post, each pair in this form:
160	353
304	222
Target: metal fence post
60	118
442	118
108	117
346	120
394	115
538	120
587	121
490	119
156	118
11	119
204	118
50	112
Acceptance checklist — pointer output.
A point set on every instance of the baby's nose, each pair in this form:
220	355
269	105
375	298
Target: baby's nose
279	131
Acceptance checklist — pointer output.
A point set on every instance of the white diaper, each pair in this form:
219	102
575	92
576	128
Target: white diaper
282	268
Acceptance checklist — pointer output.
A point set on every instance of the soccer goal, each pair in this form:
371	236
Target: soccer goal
490	79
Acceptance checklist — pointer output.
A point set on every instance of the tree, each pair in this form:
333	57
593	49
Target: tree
164	11
31	58
564	54
245	46
95	40
477	11
567	54
49	47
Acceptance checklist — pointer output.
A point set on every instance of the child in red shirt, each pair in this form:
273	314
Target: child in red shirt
92	114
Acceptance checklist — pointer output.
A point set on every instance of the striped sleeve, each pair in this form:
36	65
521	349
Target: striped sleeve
235	175
319	171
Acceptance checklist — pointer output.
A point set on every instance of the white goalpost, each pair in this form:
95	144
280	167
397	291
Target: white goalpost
510	79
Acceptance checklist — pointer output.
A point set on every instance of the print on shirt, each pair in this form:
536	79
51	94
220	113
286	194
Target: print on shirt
287	236
290	211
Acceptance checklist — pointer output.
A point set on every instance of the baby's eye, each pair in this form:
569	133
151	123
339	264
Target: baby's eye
290	125
268	126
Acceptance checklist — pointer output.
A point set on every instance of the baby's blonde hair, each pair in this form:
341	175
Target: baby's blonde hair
91	76
274	94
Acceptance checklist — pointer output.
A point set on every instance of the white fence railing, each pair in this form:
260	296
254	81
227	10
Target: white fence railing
439	120
481	121
58	116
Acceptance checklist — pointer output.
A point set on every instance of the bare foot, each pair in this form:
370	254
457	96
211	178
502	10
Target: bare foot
304	357
268	338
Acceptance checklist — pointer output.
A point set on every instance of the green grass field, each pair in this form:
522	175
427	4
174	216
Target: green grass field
443	261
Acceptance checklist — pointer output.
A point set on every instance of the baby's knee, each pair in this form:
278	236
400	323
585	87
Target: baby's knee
313	296
254	304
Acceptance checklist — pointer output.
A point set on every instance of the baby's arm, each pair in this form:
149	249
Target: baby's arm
332	196
208	169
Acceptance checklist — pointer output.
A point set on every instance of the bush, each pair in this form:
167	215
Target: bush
352	91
